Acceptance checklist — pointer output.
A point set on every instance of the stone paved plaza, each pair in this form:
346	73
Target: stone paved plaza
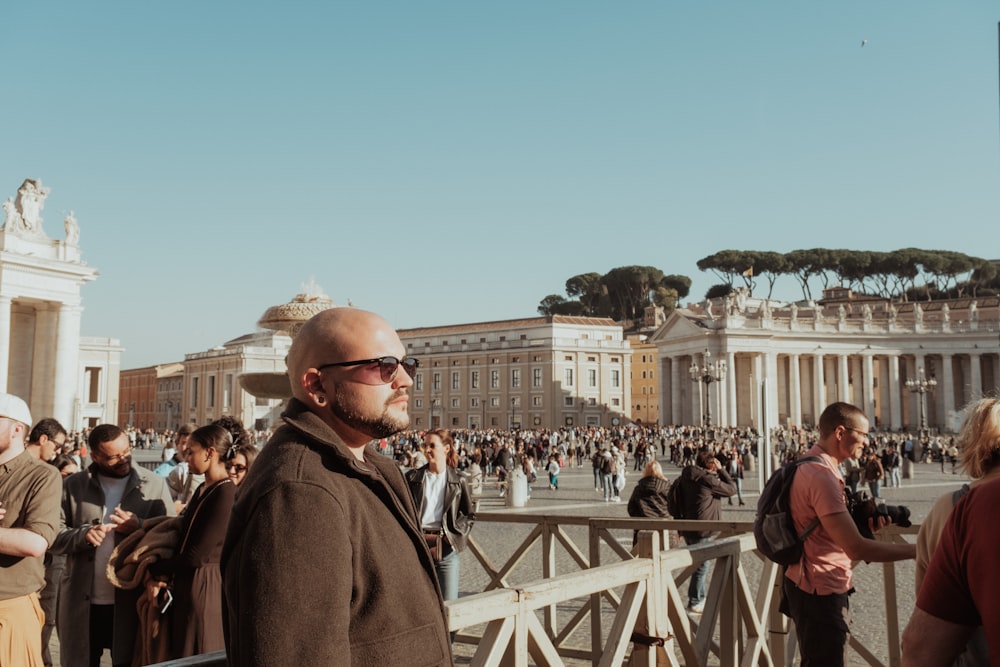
576	497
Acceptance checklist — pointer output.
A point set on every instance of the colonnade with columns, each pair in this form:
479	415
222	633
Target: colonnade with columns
773	387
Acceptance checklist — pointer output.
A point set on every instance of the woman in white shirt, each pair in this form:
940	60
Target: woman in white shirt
444	504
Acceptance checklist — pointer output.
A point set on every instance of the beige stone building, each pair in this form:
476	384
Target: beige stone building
540	372
786	362
211	386
644	380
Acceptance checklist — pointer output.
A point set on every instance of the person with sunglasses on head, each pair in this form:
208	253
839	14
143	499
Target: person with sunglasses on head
325	561
101	506
444	503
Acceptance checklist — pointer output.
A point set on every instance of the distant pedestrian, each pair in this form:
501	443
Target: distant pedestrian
553	470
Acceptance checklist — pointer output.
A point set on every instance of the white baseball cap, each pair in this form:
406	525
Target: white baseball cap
14	408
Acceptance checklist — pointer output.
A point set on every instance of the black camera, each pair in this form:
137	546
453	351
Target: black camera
863	507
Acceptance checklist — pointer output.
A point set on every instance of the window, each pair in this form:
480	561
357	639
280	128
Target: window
211	391
515	360
643	390
474	379
495	360
474	402
536	377
418	382
494	401
418	402
515	377
194	392
644	375
592	359
650	375
494	379
515	401
568	401
616	378
454	380
591	401
616	402
592	377
456	402
568	358
568	380
536	401
227	391
436	382
644	358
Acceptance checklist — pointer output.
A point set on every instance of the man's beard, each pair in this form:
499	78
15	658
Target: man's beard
110	472
381	426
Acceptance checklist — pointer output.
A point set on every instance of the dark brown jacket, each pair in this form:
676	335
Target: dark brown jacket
700	491
324	562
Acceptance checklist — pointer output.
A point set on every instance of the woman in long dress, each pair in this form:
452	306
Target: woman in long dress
192	576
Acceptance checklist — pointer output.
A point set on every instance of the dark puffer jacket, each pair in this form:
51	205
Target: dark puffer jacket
324	562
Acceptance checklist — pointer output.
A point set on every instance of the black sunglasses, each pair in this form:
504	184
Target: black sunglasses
387	366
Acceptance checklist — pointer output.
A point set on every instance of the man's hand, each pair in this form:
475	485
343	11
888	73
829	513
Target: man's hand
96	534
877	524
124	522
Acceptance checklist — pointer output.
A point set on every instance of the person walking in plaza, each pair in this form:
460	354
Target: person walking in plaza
444	503
874	474
734	466
101	506
978	438
703	485
649	498
364	572
193	575
553	470
817	589
29	519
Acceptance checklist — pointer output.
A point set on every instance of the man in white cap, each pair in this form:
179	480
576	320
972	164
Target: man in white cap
29	518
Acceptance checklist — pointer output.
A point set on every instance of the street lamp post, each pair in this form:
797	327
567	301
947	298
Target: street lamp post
922	386
709	372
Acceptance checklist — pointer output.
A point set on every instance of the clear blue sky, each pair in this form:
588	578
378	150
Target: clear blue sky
446	162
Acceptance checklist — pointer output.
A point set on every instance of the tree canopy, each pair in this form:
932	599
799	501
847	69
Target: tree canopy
621	293
902	274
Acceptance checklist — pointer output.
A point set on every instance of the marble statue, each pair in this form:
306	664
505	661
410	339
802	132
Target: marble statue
892	313
841	313
945	313
12	219
72	230
765	311
795	312
974	311
30	202
866	312
918	314
707	307
741	300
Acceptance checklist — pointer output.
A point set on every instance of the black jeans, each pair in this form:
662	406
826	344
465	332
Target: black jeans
102	625
822	624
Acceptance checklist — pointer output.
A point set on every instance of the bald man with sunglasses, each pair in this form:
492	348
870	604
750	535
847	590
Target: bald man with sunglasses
324	562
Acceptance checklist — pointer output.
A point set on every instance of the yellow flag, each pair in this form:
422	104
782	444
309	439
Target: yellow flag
749	272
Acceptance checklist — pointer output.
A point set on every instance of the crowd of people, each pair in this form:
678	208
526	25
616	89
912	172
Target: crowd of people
220	547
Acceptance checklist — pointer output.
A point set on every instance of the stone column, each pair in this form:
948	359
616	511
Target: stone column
868	386
820	380
919	363
975	377
44	376
795	397
758	375
67	358
771	373
843	386
731	387
947	388
895	412
5	305
675	391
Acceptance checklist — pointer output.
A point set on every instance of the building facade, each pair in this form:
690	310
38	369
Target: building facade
211	386
645	382
542	372
97	393
40	308
786	362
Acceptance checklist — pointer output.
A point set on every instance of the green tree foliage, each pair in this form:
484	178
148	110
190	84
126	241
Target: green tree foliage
908	273
622	293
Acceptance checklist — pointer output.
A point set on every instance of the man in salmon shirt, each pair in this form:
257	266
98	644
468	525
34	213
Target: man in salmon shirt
817	589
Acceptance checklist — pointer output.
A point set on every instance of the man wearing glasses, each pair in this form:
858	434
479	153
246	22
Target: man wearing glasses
100	507
324	562
816	589
29	518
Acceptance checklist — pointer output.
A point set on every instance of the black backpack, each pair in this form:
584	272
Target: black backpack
773	527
